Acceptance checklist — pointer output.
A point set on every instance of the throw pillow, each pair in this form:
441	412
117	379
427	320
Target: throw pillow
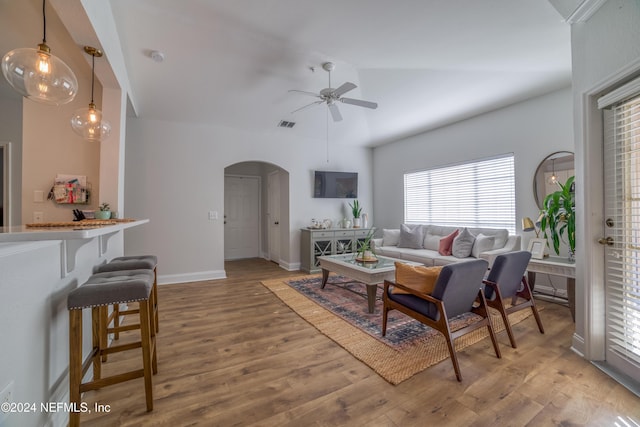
482	244
418	277
446	243
411	236
462	244
390	237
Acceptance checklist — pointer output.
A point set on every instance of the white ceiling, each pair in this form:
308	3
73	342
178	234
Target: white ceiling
426	63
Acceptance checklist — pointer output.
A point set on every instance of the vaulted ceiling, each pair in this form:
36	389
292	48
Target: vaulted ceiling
427	63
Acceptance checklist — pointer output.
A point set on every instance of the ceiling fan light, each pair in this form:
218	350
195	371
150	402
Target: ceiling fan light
89	124
40	76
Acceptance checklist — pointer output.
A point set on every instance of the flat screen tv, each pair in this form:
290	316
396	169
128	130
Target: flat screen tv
335	185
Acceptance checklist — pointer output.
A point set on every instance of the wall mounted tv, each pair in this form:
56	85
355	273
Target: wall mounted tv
335	185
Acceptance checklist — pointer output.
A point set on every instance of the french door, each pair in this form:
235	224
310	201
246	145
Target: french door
622	236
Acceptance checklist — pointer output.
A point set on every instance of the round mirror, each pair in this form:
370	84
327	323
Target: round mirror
555	168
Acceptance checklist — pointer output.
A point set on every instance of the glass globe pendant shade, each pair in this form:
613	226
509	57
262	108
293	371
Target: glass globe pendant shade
40	76
88	123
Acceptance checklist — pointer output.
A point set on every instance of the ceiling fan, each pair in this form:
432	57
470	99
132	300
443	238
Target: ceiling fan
331	96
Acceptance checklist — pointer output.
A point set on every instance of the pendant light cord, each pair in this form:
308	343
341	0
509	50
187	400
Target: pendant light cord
44	24
93	72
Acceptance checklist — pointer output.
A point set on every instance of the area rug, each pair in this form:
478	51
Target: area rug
340	312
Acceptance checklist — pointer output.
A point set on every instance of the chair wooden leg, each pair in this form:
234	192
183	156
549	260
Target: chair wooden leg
537	317
155	300
75	364
507	326
385	312
452	353
99	338
116	321
147	356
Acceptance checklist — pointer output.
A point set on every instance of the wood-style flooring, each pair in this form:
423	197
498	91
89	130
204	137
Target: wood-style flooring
230	353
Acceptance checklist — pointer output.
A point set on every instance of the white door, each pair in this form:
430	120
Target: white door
241	217
622	236
273	216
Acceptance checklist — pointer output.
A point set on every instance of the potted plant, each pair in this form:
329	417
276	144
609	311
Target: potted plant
104	212
356	210
364	249
559	217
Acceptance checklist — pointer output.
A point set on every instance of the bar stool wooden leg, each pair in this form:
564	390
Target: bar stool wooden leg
75	364
148	355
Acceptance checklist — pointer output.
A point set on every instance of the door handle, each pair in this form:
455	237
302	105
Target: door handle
606	241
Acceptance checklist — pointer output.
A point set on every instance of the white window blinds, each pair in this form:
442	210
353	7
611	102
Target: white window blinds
622	207
475	194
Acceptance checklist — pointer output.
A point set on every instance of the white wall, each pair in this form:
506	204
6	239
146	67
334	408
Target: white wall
605	53
11	131
531	130
175	175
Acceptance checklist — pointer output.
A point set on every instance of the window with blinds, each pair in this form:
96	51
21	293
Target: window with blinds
475	194
622	207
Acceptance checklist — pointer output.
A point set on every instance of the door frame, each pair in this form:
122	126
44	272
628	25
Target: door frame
589	338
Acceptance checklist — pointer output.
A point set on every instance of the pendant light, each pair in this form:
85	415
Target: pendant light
88	122
38	75
553	179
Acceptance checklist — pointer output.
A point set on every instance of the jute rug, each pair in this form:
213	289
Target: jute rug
343	317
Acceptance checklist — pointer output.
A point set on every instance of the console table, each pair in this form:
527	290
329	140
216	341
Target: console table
317	242
557	266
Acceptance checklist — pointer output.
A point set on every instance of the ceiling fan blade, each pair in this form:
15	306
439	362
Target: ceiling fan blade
360	103
308	105
346	87
305	92
335	113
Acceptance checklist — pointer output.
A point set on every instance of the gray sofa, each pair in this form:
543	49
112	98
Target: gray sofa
487	243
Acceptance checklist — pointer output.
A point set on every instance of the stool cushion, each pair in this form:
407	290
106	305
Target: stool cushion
129	263
114	287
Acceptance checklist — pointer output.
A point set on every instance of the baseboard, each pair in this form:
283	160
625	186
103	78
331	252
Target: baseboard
577	345
551	291
165	279
294	266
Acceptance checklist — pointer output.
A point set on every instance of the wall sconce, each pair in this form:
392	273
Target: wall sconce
88	122
38	75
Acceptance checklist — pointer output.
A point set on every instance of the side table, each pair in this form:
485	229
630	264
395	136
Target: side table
557	266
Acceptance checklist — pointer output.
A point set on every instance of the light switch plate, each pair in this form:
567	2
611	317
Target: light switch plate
38	196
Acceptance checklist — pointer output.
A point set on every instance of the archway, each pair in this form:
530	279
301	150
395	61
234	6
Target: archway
257	193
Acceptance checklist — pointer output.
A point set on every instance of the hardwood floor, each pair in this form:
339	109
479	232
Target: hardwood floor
230	353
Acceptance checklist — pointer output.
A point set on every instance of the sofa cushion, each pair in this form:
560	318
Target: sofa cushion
390	237
411	236
433	234
422	279
423	256
444	247
390	251
482	244
462	244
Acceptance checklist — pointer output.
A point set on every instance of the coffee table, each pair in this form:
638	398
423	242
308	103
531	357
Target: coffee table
369	273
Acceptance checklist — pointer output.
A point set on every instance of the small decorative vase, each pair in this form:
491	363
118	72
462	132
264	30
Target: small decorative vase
365	220
357	222
103	214
572	256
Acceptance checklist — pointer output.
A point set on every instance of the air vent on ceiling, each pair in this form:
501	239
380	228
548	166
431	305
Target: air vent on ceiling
286	124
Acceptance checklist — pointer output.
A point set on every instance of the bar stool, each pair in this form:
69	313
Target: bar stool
97	293
134	262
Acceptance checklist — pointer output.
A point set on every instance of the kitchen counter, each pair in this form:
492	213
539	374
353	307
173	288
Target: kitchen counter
22	233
